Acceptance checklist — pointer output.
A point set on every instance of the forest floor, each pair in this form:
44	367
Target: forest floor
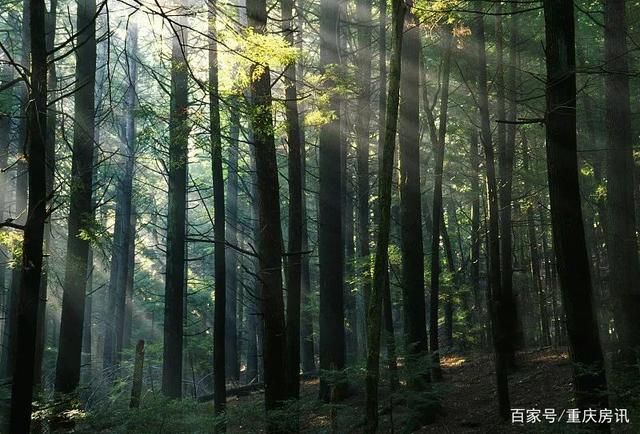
468	399
466	395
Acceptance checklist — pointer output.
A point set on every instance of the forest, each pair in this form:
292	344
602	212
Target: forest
319	216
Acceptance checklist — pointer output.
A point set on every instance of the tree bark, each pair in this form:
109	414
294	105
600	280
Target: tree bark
122	235
437	209
31	270
306	321
622	250
566	214
496	304
533	247
475	234
222	305
80	204
176	219
138	366
50	140
363	110
330	236
270	242
294	259
21	186
374	309
506	145
415	324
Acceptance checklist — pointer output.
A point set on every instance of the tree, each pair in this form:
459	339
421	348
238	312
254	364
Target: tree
496	305
220	292
31	270
80	204
437	209
506	136
50	141
566	214
415	333
363	110
533	248
475	229
270	239
330	246
380	274
21	186
176	217
123	230
294	258
622	248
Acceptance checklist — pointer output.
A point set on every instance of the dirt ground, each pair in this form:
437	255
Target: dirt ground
468	398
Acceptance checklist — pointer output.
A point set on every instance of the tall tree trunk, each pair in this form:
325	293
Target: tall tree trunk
549	280
122	235
270	242
437	208
566	213
306	322
350	305
80	204
363	110
85	359
330	247
176	219
222	305
496	305
21	186
129	283
6	76
622	250
50	141
533	247
294	259
475	234
451	269
232	335
380	275
31	270
506	145
415	323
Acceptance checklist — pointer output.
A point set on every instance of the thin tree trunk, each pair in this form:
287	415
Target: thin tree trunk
506	145
21	186
475	234
114	330
6	76
437	208
533	248
129	283
451	269
232	335
363	110
222	305
374	309
306	321
500	335
50	141
294	259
